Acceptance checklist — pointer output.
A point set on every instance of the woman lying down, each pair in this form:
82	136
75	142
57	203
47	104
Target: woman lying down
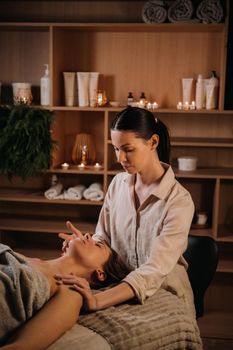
29	292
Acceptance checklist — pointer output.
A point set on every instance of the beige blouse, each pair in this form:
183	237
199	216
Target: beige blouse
152	239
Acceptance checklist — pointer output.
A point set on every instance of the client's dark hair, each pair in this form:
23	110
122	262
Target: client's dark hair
144	124
115	270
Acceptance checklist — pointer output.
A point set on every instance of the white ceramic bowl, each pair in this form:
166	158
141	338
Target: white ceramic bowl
187	163
114	103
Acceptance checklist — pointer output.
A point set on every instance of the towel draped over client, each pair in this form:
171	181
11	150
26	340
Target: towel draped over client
23	291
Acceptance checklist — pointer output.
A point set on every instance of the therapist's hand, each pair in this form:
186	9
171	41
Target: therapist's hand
82	286
68	237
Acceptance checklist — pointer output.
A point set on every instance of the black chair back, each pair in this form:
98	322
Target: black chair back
202	258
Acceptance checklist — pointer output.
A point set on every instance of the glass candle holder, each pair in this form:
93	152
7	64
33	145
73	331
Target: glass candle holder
179	105
65	166
22	93
186	106
101	98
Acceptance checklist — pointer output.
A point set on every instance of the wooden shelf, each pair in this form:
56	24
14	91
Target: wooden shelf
206	173
201	232
225	265
172	111
84	109
21	26
202	142
203	112
125	27
216	324
75	170
41	226
225	234
203	173
142	27
226	239
30	196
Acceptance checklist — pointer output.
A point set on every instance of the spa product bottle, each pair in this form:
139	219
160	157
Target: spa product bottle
212	92
142	100
187	84
129	99
45	87
200	92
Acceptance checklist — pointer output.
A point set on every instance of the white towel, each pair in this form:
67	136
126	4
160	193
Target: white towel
74	193
94	192
54	192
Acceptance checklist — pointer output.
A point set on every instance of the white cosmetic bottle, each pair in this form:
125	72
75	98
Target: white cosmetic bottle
200	92
45	87
212	92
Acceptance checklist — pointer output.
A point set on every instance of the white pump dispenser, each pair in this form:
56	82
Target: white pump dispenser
45	87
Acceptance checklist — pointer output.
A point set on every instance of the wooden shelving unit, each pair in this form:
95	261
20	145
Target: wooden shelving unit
163	54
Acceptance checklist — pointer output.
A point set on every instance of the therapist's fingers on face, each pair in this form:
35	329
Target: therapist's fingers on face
66	236
73	229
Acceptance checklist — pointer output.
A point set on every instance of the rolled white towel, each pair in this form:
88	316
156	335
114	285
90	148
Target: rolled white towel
74	193
54	192
94	192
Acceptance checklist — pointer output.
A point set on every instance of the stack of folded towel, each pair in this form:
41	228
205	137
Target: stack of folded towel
94	192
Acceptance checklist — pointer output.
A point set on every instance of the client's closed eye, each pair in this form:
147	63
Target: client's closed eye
99	244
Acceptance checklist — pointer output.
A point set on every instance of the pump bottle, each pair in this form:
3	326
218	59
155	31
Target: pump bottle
45	87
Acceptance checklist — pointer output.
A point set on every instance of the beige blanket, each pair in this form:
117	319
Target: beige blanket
163	322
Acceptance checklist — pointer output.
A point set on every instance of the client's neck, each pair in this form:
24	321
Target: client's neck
64	265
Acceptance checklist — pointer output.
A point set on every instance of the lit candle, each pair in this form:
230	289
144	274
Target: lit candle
142	103
101	98
155	105
193	105
65	166
149	105
81	166
179	105
186	106
97	166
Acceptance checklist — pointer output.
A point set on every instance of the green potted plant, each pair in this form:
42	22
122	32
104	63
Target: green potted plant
25	140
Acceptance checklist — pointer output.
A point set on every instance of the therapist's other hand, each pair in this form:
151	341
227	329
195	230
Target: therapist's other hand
82	286
68	237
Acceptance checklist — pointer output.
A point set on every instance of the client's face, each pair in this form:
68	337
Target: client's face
89	253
